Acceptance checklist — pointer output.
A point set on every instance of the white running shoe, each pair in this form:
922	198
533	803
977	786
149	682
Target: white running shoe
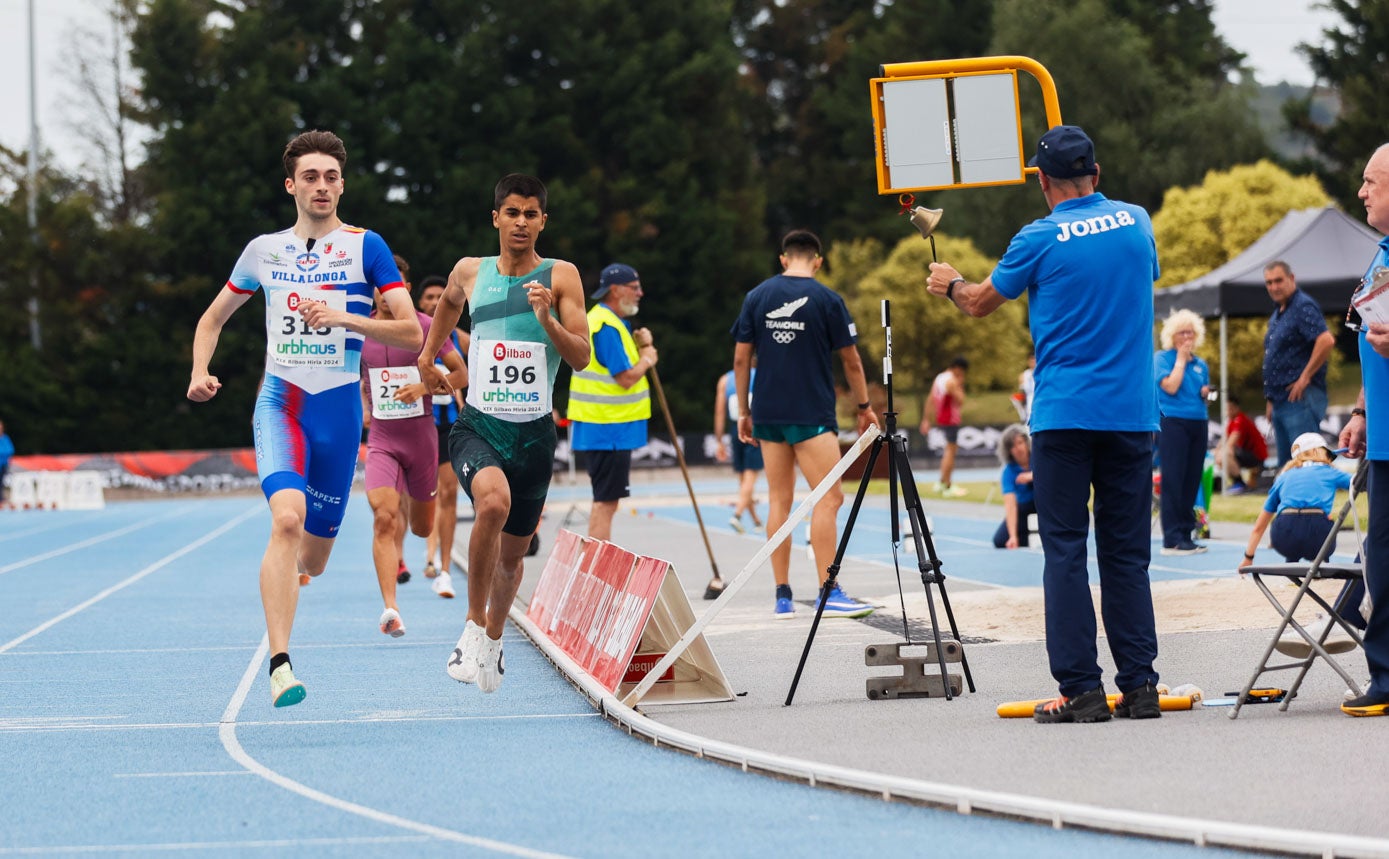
491	666
443	586
463	662
284	689
391	624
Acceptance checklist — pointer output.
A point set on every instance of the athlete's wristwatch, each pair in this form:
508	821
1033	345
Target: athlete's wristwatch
1357	413
950	288
863	407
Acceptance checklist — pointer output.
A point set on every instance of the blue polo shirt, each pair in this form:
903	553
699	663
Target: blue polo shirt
1307	486
1088	270
1288	345
1374	373
1187	402
1009	481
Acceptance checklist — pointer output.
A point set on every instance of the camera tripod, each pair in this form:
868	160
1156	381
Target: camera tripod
941	649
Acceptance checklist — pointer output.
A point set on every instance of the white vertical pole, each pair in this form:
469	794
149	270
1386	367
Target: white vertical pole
35	336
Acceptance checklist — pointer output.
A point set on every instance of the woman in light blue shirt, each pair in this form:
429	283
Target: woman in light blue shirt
1183	382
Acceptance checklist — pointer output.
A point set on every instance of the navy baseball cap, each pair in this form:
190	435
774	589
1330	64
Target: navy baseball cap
613	275
1065	152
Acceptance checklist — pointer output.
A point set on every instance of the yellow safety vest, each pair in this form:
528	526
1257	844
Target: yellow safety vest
594	395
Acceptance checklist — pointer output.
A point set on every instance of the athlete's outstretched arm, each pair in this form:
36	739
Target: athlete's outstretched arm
202	385
570	332
446	316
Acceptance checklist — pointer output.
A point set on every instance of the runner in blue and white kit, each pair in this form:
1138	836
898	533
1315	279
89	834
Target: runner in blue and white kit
318	279
1088	270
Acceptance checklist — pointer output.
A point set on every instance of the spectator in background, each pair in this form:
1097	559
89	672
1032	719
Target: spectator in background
1244	448
1027	386
1295	351
746	458
947	401
439	545
1015	452
6	454
610	399
1183	382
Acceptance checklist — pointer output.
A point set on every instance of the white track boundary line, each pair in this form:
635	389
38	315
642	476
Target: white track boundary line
965	800
201	846
92	541
87	727
157	565
227	733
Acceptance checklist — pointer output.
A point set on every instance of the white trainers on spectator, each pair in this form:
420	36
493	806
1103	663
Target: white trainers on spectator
1294	645
491	665
463	661
443	585
391	624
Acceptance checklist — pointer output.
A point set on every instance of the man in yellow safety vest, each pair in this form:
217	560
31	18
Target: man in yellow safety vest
609	400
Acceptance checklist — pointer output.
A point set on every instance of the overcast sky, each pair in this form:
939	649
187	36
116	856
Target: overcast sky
1265	30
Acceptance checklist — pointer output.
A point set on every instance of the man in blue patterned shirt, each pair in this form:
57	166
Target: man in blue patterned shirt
1295	351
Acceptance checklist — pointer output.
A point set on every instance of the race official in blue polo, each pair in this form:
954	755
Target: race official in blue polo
1088	270
610	399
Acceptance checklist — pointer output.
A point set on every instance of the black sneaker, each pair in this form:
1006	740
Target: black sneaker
1369	704
1140	703
1092	706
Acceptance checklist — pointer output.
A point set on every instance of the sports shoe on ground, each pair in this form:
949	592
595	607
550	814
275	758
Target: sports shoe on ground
785	609
841	604
736	524
463	661
402	575
1236	488
391	624
1140	703
430	571
443	586
284	689
1187	548
1351	696
1090	706
1369	704
491	665
953	492
1294	645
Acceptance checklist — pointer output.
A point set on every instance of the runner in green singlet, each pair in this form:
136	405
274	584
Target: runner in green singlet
527	315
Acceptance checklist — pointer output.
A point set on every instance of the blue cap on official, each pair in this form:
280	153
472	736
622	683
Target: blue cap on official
1065	152
614	275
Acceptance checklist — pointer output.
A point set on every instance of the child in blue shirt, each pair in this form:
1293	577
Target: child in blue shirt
1299	504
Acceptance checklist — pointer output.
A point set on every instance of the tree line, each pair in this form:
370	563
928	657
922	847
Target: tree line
682	138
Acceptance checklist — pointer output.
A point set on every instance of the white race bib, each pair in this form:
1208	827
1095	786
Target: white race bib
514	378
385	381
292	342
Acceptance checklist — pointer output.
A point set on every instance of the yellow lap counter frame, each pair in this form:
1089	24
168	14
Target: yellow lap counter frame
942	124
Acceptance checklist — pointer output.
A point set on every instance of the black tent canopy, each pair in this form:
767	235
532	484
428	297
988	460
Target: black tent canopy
1327	250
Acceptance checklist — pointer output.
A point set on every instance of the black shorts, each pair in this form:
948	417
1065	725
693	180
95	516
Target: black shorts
1246	458
609	471
525	452
952	433
444	430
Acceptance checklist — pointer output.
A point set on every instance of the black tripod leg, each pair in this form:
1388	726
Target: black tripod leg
929	565
833	569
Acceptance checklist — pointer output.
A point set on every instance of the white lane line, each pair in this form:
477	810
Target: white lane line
208	845
38	529
179	775
24	727
227	733
157	565
375	645
92	541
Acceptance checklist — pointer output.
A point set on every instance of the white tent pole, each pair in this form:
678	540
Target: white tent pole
1224	394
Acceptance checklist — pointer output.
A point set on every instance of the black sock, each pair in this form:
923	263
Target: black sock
279	659
783	592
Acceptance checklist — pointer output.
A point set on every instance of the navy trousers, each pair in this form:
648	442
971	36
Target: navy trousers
1182	451
1377	579
1118	465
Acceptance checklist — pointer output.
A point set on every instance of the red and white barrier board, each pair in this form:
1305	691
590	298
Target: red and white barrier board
614	612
